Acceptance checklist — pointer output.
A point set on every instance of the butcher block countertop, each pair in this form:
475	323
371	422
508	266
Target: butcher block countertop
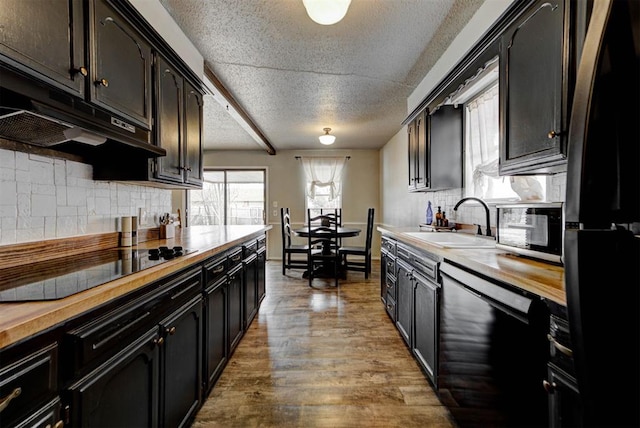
20	320
543	279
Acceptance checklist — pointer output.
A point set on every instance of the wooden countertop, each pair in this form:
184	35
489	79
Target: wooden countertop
23	319
543	279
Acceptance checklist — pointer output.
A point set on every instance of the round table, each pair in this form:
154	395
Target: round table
326	270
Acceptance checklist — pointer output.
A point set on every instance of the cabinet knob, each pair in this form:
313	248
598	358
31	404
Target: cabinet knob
171	330
553	134
81	70
4	402
59	424
550	387
102	82
566	351
159	341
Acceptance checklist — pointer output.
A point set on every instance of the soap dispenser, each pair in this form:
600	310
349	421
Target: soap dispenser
429	213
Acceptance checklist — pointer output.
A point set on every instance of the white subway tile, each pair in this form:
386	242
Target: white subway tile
43	205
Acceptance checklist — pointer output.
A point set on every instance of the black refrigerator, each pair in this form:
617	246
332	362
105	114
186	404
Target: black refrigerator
602	214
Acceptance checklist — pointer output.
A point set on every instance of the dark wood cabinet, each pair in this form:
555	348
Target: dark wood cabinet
180	364
121	392
121	60
445	148
425	329
178	127
235	322
418	153
215	330
404	290
250	291
47	416
261	275
534	87
28	384
55	52
435	149
388	287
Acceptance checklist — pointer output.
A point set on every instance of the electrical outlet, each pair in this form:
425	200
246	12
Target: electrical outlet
275	213
275	204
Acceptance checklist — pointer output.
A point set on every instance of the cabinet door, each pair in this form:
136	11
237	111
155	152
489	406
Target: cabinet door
215	331
261	275
404	290
192	135
422	153
532	102
445	148
235	321
425	331
412	144
181	364
169	107
250	290
55	52
123	392
121	65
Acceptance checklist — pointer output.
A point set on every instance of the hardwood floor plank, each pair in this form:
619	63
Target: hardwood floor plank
322	357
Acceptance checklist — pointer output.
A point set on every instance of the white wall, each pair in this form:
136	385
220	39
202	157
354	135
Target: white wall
285	185
46	198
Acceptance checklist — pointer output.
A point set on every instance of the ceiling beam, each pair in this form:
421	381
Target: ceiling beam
224	92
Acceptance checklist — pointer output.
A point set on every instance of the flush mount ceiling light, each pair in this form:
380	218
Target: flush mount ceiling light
326	12
327	139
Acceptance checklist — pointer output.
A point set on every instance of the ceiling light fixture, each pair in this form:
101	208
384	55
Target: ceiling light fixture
327	139
326	12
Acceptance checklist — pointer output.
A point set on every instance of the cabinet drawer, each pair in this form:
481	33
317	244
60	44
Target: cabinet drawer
249	248
390	284
235	258
26	384
106	334
215	270
391	307
46	417
390	265
420	262
389	245
262	241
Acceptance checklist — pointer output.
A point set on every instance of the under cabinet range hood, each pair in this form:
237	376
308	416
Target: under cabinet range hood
39	115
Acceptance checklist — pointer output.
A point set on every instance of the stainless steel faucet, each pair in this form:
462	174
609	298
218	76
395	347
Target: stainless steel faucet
486	208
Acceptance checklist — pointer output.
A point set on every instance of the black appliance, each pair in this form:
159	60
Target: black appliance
59	278
602	217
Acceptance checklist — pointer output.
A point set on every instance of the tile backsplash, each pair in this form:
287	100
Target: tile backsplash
46	198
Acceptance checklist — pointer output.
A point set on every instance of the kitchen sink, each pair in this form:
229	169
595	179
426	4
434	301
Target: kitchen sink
453	239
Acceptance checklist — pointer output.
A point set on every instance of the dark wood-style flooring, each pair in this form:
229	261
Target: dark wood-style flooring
322	357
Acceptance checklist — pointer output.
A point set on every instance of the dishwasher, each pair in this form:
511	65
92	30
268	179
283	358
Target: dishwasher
492	352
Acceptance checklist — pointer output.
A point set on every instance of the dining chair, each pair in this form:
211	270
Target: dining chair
346	252
288	248
322	244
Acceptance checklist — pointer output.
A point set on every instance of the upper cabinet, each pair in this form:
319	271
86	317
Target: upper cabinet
435	149
445	148
534	86
178	127
59	60
121	59
418	161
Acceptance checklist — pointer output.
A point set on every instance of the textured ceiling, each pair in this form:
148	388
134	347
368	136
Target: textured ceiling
294	77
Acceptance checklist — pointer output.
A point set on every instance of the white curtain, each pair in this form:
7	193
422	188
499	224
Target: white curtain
323	172
482	130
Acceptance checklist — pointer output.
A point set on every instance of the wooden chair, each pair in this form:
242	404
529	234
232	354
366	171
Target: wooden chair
346	252
288	249
322	245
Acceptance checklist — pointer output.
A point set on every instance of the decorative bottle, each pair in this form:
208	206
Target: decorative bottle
439	217
429	213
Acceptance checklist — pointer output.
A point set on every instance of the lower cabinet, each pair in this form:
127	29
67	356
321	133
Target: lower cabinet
215	331
261	275
180	364
417	291
234	306
250	289
121	392
29	388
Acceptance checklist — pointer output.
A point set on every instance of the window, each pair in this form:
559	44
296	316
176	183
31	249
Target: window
482	137
323	181
229	197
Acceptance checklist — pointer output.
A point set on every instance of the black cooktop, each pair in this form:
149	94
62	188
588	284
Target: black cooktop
55	279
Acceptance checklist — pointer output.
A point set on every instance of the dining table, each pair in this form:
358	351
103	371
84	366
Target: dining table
326	269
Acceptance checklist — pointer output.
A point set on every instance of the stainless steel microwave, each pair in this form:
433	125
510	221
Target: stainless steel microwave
531	229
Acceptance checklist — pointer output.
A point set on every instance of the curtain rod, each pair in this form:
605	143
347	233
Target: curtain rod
300	157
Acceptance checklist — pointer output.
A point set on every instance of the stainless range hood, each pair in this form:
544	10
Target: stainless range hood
37	114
